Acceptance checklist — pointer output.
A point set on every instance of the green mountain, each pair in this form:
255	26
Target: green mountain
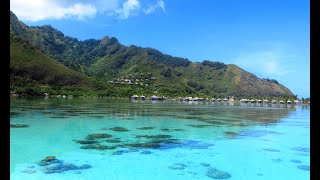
33	73
128	70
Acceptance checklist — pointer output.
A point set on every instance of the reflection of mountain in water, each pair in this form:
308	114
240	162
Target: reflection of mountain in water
194	116
122	109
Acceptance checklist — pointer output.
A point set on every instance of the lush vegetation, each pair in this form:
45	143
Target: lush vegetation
43	59
34	73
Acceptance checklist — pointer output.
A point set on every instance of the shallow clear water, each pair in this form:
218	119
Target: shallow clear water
161	140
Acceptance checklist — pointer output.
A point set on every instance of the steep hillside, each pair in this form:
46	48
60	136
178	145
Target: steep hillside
34	73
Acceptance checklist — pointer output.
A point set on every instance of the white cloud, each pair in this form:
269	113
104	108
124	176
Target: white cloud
129	8
152	8
37	10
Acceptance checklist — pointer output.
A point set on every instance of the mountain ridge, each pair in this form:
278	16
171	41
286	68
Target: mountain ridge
136	70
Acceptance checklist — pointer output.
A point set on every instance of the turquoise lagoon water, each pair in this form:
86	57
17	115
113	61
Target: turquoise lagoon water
161	140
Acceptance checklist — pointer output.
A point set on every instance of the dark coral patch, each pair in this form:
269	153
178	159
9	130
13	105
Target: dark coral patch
119	129
98	135
145	128
178	166
19	125
154	136
218	174
113	141
204	164
301	149
304	167
295	161
271	149
98	147
144	145
230	133
120	152
199	125
86	141
48	160
170	130
61	167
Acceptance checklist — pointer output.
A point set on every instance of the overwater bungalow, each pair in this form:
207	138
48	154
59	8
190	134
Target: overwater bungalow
273	101
259	101
135	97
143	97
213	99
289	102
181	99
225	99
196	99
265	101
296	101
244	100
154	97
281	102
252	100
218	99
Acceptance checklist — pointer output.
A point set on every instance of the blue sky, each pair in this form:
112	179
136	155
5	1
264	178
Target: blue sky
269	38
